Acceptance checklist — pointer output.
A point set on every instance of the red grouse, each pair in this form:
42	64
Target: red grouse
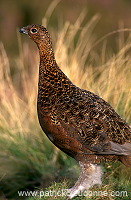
77	121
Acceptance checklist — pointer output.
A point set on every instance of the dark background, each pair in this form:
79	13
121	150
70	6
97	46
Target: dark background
13	14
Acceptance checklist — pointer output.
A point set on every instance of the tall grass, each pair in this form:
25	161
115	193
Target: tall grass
27	157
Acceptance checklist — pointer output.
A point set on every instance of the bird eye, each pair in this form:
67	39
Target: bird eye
33	30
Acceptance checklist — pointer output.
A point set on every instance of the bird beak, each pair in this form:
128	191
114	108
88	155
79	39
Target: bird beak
23	30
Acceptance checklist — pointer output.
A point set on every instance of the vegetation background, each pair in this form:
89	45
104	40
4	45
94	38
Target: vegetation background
92	42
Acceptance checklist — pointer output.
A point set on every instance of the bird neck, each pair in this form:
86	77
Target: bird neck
52	81
46	53
47	63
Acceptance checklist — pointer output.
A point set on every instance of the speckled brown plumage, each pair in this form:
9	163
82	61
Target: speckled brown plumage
77	121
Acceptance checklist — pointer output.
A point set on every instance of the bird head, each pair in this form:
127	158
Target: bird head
38	34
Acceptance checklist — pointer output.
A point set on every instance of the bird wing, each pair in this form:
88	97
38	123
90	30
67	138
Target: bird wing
101	144
94	124
90	121
110	148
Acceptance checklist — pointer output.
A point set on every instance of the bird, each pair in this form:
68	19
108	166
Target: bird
77	121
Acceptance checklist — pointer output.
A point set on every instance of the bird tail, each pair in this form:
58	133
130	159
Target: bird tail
120	149
126	160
